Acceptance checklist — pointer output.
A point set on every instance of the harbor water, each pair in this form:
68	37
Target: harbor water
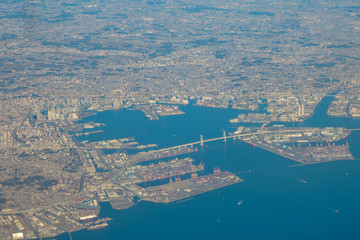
275	201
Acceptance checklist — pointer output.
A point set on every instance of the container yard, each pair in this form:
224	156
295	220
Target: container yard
180	189
162	170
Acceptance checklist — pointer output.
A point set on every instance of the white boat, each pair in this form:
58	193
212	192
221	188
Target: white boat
334	210
301	180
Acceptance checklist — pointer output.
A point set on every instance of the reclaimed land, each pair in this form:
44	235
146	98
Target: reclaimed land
178	190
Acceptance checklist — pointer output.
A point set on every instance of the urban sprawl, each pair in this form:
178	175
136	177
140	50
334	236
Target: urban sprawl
61	62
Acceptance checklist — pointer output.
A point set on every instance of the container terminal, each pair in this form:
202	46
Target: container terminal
119	159
159	154
163	170
122	143
153	112
304	145
123	198
180	189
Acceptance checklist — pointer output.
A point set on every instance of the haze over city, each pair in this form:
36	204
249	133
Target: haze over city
121	115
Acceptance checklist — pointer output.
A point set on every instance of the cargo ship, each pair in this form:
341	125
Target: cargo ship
98	226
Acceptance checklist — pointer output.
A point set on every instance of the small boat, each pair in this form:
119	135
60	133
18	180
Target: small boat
334	210
239	203
301	180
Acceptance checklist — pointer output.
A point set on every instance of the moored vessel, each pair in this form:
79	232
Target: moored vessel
98	226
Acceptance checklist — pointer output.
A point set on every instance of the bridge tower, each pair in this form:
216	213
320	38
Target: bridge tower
224	135
201	140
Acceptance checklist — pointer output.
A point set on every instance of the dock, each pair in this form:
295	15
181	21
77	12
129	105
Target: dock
181	189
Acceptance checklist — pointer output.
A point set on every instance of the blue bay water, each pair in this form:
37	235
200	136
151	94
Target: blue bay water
276	205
